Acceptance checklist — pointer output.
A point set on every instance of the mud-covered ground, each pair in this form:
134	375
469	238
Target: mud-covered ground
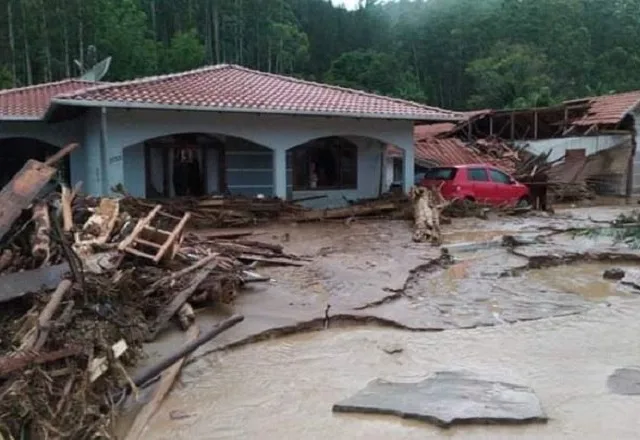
560	329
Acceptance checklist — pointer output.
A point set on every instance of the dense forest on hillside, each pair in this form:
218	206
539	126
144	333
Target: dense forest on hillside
451	53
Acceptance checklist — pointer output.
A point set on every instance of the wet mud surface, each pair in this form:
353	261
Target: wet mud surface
370	273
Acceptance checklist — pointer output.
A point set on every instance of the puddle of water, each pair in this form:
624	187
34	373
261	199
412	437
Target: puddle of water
583	279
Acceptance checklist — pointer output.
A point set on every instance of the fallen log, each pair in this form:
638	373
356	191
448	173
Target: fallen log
350	211
427	209
176	303
36	339
152	371
271	260
18	361
175	275
40	246
166	382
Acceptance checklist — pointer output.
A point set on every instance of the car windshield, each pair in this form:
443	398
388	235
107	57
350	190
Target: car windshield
440	174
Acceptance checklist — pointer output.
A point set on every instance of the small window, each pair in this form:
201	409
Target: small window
500	177
440	174
478	175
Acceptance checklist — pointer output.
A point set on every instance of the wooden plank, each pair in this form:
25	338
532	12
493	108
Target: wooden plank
166	382
158	230
15	285
147	243
178	300
137	253
20	192
142	223
167	215
173	237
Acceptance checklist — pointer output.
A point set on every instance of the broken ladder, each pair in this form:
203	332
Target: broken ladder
151	238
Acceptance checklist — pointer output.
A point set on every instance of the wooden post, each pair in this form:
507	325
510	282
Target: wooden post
491	126
630	164
535	125
513	126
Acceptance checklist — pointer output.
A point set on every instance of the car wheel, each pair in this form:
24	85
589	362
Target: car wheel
523	203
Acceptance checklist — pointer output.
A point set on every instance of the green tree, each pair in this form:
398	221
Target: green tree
375	72
123	32
513	75
185	52
6	78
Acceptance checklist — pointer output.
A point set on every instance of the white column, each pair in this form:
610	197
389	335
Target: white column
280	173
408	167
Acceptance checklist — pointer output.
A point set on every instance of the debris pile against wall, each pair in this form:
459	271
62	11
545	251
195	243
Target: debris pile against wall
83	284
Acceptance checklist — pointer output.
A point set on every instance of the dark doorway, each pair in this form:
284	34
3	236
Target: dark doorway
15	152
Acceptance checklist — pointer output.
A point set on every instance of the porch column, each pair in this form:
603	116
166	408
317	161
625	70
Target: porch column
408	167
280	173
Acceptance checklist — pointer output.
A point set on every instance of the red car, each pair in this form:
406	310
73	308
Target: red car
479	183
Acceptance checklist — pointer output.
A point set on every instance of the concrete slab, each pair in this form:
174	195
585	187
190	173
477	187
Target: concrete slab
447	398
625	381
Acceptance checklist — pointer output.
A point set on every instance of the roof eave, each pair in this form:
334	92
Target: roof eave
149	106
4	118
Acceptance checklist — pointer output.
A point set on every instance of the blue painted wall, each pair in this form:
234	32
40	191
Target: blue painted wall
249	167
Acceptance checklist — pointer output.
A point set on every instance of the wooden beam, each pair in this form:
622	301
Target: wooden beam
513	126
535	125
491	126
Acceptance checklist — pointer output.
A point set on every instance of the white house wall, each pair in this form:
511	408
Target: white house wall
129	128
558	146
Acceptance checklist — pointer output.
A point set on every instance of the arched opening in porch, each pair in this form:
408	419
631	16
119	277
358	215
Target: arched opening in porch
338	169
16	151
197	164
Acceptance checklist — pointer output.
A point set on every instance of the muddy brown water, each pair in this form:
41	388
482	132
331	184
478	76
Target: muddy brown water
285	387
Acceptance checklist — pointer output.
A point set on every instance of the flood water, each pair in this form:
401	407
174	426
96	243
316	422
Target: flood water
285	388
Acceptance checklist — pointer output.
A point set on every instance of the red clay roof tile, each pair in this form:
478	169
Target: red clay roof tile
234	88
609	109
447	151
32	102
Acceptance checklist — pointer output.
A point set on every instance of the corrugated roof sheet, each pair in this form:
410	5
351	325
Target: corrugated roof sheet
234	88
609	109
32	102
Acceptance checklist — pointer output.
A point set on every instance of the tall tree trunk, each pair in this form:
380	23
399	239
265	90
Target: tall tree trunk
258	39
154	22
216	29
81	33
65	37
12	44
48	74
208	34
27	55
241	36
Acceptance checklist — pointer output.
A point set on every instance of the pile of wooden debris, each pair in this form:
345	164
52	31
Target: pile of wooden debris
83	284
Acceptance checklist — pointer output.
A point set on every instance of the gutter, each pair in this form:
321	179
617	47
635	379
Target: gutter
122	105
20	118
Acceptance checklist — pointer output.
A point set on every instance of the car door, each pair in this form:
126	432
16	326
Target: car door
481	186
504	192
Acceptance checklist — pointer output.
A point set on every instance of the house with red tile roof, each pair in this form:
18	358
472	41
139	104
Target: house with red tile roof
222	128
